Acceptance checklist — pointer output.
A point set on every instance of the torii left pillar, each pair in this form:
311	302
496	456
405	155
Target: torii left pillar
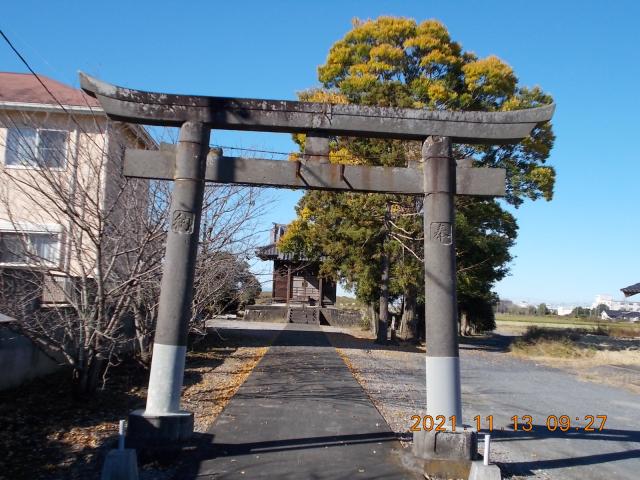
163	422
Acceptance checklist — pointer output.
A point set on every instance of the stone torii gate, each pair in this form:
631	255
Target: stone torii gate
438	178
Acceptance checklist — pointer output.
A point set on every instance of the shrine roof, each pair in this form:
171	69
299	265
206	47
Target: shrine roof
271	252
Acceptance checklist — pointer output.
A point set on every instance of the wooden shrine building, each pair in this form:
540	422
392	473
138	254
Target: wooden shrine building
295	280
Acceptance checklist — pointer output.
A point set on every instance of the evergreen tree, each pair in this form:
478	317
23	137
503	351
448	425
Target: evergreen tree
396	62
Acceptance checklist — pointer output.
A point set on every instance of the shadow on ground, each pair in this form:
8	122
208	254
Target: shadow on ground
487	343
46	434
298	336
541	432
207	449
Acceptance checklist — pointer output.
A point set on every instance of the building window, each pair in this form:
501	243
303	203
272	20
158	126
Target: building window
36	148
29	248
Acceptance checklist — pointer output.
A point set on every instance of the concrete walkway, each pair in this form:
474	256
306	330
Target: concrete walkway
301	414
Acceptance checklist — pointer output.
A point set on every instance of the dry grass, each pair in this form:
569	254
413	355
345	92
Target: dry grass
548	342
593	355
575	344
563	348
623	331
619	357
617	329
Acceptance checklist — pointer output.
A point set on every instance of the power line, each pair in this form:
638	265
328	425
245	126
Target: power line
273	152
32	71
253	150
26	64
32	48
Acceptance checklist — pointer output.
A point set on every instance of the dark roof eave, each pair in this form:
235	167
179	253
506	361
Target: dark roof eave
631	290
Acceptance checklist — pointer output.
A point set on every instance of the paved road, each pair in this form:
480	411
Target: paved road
300	414
500	385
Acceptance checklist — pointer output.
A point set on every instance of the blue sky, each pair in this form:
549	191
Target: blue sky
586	54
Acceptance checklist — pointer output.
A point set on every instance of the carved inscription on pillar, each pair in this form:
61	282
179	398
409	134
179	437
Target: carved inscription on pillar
442	232
182	222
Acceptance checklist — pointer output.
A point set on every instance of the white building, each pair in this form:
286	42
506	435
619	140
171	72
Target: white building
564	310
616	304
58	153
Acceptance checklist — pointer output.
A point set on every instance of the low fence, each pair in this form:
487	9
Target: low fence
20	359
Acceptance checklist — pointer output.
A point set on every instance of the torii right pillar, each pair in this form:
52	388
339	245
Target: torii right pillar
446	453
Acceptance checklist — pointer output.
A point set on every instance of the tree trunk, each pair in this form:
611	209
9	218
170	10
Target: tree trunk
420	321
407	330
465	326
143	336
85	381
383	319
373	318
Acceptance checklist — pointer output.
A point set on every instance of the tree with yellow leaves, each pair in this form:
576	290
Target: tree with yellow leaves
397	62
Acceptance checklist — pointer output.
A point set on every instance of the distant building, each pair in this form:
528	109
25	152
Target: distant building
504	306
562	311
612	304
295	280
620	315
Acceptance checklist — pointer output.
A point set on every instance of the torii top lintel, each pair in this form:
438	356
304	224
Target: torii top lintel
303	117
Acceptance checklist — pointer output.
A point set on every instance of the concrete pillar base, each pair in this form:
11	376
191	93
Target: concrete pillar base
163	431
484	472
446	454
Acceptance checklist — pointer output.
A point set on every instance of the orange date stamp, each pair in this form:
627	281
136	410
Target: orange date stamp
519	423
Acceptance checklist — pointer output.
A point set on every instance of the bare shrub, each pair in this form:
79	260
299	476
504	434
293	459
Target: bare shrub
90	297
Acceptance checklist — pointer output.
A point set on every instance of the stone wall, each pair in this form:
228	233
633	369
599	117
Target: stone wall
328	316
338	317
266	313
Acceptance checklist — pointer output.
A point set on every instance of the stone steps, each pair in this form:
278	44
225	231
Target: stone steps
303	315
